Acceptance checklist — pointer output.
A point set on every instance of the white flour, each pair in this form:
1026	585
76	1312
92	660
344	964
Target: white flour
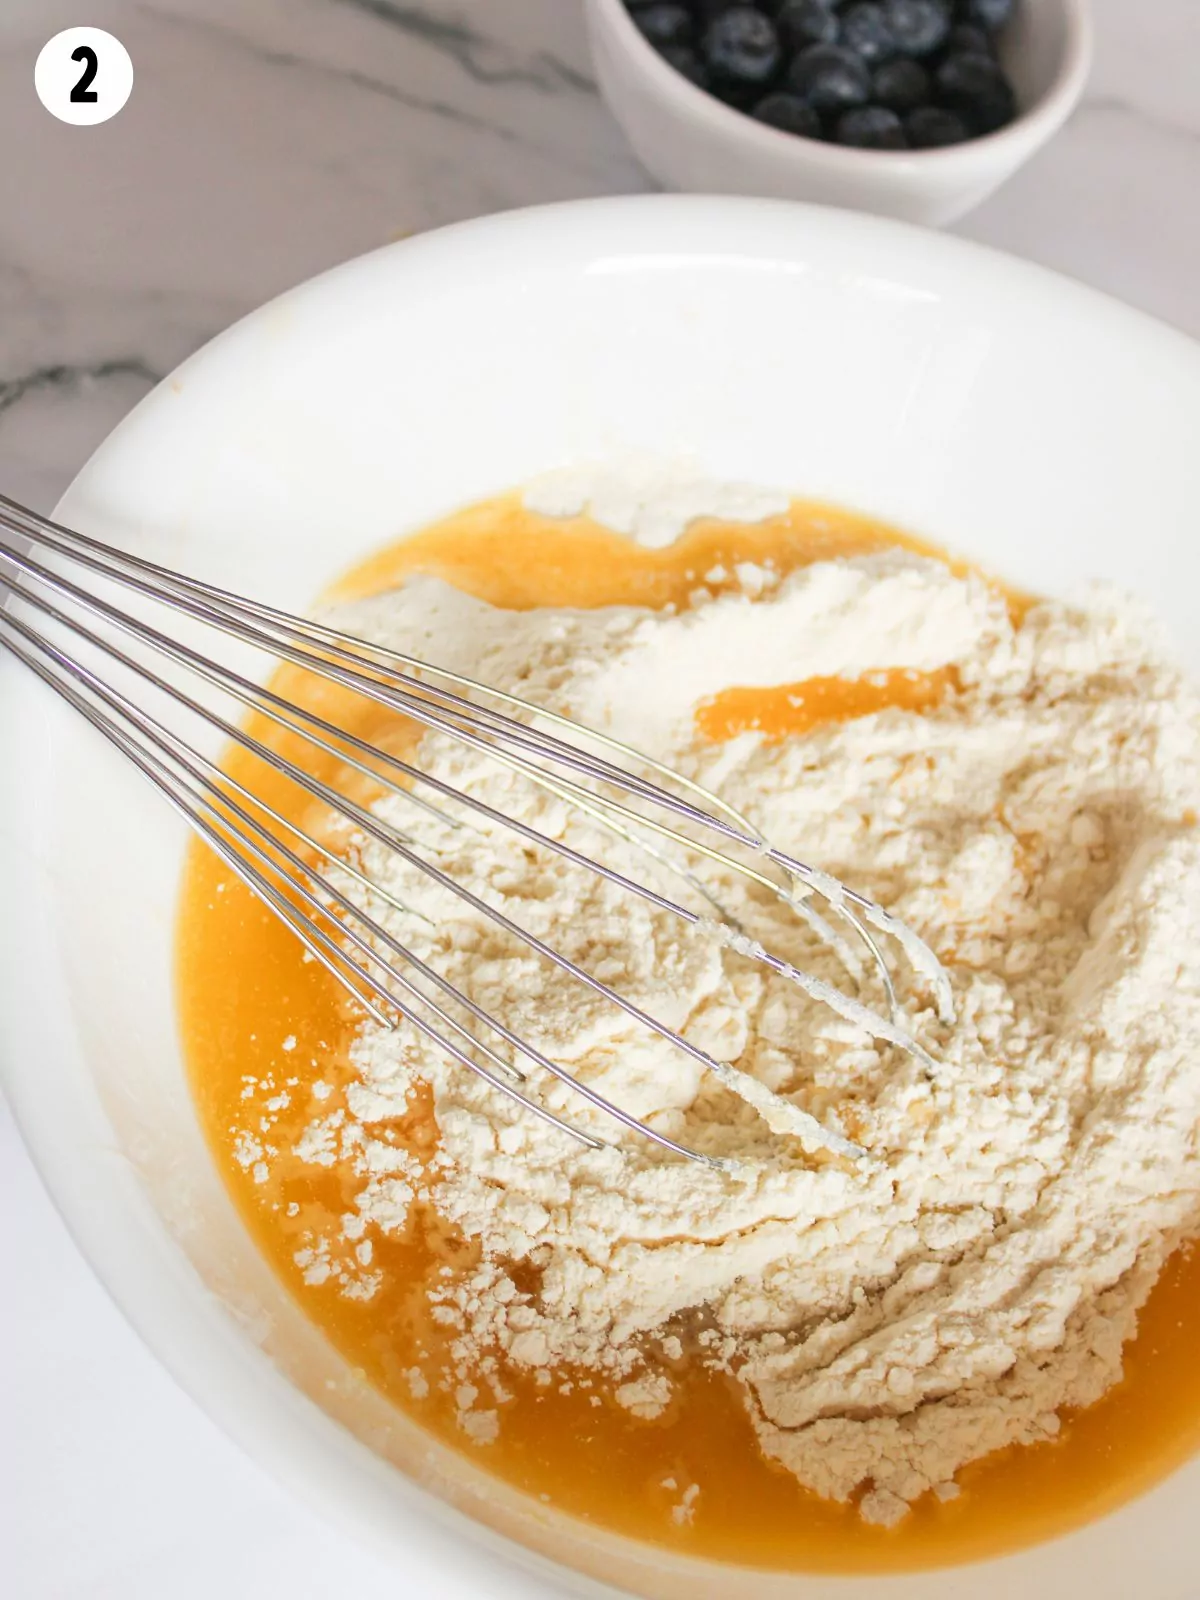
890	1318
650	499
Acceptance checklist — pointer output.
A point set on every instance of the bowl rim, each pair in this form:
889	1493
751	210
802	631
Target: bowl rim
1030	128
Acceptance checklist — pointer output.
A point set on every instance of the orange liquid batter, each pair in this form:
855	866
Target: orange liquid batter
252	1009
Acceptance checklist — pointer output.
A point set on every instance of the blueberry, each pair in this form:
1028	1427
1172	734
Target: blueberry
865	31
968	41
990	14
900	85
685	60
871	128
830	78
977	89
919	27
932	127
664	24
789	113
742	48
805	22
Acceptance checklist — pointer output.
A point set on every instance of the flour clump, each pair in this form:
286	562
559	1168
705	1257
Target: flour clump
888	1317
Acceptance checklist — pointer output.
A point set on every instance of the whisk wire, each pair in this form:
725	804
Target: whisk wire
341	933
118	565
398	842
409	705
168	783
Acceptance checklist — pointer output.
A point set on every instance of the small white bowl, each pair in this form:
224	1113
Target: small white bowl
689	140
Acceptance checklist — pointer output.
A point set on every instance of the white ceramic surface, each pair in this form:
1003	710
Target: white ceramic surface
1025	421
689	140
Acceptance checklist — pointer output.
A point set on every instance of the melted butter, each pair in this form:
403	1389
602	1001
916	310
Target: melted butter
795	708
245	993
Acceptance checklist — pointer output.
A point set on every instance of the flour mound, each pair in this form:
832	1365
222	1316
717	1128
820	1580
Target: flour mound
893	1318
650	499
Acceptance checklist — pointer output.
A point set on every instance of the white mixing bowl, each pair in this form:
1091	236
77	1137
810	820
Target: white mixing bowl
1028	423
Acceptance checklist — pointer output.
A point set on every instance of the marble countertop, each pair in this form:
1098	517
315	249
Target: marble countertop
264	141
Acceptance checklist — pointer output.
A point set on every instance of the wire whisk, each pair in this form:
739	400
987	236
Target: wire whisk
109	632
